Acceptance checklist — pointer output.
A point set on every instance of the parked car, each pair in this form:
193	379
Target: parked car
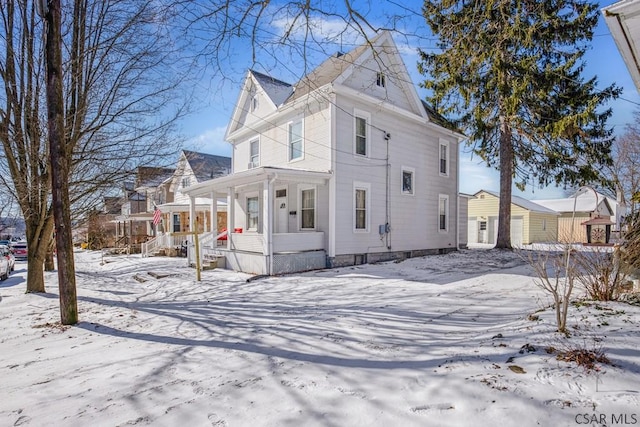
5	242
4	268
7	253
19	250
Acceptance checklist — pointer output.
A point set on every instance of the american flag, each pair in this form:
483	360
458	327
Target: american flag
157	216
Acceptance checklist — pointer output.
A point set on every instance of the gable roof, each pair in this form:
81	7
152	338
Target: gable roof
523	203
277	90
583	203
623	20
335	70
207	166
150	176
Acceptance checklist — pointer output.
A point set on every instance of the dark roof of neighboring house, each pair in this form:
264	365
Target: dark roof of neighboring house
150	176
112	205
207	166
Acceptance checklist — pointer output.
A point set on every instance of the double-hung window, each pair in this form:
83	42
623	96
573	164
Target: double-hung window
361	129
444	158
307	208
296	148
381	80
443	213
361	193
254	154
253	211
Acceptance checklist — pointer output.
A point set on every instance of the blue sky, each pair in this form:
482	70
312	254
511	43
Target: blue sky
205	128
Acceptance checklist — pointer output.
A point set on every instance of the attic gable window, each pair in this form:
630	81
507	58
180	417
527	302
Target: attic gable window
186	182
254	103
381	80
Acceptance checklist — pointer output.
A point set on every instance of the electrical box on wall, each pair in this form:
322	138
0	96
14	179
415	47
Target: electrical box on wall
381	229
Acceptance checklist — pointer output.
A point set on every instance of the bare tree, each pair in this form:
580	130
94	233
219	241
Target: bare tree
123	92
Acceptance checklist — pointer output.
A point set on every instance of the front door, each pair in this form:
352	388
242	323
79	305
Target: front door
282	212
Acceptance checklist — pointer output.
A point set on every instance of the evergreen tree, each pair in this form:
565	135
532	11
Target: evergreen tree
509	73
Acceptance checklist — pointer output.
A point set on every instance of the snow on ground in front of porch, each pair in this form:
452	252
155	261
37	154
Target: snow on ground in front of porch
440	340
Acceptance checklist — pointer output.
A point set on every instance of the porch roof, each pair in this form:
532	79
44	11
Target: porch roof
182	207
256	175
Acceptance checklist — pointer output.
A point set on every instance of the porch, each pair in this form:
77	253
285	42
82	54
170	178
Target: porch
245	252
279	215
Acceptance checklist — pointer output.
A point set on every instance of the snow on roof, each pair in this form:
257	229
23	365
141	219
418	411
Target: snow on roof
524	203
583	203
275	89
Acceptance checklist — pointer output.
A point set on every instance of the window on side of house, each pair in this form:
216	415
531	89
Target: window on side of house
186	182
443	213
361	139
253	211
381	80
296	148
444	158
408	180
307	208
254	103
361	206
254	154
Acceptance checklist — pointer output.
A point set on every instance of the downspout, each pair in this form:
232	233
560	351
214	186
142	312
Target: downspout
271	220
387	226
458	197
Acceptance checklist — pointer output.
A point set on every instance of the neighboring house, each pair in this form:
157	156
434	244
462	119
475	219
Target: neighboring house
575	211
347	166
530	222
192	168
623	20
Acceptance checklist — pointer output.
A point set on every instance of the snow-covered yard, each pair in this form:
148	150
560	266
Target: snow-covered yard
456	339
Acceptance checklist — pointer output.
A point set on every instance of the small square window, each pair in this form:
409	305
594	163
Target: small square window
407	181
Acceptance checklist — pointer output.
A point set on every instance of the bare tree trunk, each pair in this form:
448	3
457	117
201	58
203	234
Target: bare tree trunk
503	241
59	158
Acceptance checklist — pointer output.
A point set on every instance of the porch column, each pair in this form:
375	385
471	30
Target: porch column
231	208
267	222
192	215
213	211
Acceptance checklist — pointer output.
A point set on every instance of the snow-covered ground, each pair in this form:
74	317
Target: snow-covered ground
459	339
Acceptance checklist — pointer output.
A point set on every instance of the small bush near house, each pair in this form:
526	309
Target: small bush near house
601	273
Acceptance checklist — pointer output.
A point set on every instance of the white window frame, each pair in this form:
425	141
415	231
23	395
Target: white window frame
289	144
362	115
302	188
381	80
443	198
254	159
248	212
444	144
412	171
185	181
255	102
366	187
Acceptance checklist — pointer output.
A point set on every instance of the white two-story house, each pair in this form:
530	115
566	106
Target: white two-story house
345	167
